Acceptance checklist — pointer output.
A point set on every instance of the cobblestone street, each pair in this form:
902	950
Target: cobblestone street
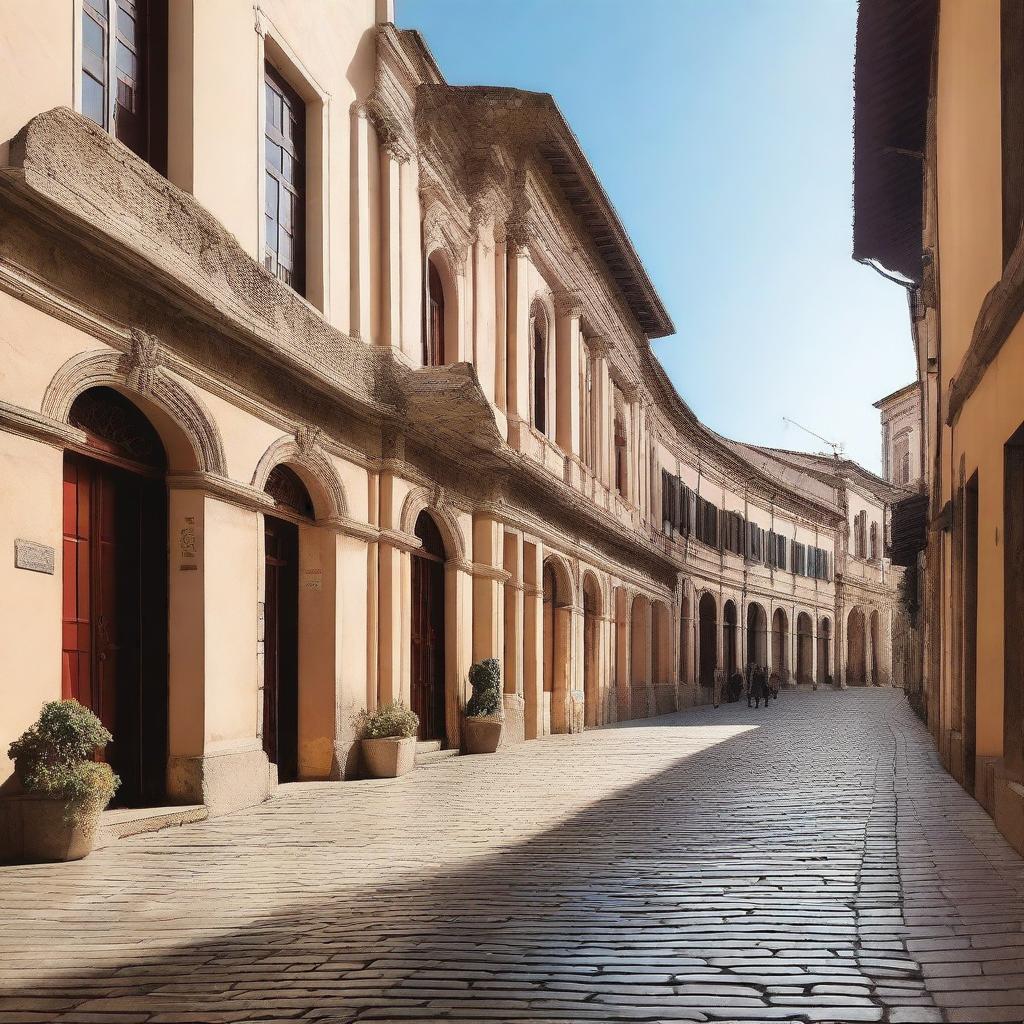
812	862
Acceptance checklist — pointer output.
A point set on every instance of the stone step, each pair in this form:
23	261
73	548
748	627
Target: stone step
430	753
122	822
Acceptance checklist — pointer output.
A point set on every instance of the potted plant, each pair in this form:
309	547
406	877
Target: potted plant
388	737
484	708
65	790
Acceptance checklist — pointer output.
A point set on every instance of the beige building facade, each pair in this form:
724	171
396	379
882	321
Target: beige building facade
902	437
939	196
322	379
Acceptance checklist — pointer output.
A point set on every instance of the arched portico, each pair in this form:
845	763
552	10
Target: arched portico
707	612
729	638
757	634
558	656
824	667
856	647
641	662
804	648
593	608
780	644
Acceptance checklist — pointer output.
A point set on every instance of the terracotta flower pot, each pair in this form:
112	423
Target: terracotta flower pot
50	832
482	735
389	757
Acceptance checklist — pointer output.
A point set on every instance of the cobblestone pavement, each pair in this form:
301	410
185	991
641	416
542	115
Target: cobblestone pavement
811	862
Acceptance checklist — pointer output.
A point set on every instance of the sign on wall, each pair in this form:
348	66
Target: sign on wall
28	554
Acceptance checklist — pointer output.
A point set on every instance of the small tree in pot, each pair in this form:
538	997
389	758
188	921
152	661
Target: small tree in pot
65	789
484	709
388	737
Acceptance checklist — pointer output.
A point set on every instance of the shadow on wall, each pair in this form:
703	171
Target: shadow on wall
408	899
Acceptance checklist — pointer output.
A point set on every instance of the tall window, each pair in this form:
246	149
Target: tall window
587	409
874	542
434	339
621	453
124	55
901	460
540	377
285	205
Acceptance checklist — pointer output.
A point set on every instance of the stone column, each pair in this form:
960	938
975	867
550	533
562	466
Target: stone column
514	636
569	310
488	588
533	639
412	264
623	658
518	333
483	350
390	246
458	646
360	315
215	752
500	326
603	401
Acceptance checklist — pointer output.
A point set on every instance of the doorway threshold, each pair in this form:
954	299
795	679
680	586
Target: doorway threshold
122	822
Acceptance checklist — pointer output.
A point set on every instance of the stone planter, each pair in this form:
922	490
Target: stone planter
43	829
389	757
482	735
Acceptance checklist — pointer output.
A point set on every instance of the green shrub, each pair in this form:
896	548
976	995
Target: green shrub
54	757
485	678
390	720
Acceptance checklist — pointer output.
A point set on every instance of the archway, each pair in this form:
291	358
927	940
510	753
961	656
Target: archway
640	656
441	312
115	585
557	598
780	644
591	650
757	634
856	639
824	648
707	612
876	636
804	648
427	697
729	638
281	618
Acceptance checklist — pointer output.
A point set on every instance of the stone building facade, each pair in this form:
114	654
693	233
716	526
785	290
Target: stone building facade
323	379
902	436
939	194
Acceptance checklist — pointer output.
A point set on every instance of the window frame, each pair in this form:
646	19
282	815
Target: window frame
297	149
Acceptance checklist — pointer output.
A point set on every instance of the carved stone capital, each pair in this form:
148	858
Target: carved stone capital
141	363
307	437
600	345
568	303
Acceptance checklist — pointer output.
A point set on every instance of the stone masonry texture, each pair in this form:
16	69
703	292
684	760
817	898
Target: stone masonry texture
809	862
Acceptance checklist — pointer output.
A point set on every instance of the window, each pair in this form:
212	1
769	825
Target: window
621	450
540	378
874	542
124	73
433	339
707	522
285	181
901	460
587	417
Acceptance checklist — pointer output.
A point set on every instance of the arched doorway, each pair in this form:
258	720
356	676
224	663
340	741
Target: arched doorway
856	639
640	656
876	635
824	646
591	651
428	630
281	619
804	648
757	635
707	612
114	615
729	637
780	644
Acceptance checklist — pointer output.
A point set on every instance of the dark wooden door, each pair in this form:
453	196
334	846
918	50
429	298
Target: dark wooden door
281	648
115	615
428	644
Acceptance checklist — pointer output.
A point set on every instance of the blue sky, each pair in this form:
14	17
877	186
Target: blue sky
722	130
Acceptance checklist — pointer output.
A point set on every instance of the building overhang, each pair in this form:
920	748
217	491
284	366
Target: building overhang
892	77
532	121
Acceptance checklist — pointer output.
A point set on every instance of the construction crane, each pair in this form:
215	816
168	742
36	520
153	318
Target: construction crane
837	447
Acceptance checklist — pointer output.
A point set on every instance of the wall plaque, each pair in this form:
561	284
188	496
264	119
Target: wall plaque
32	556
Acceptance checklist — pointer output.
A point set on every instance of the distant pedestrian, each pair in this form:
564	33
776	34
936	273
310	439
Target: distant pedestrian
759	687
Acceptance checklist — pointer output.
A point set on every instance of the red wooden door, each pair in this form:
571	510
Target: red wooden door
281	647
114	615
427	696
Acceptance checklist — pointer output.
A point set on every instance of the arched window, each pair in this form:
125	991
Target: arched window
540	376
433	341
901	458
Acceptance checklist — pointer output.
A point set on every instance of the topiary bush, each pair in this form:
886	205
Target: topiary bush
54	758
485	678
387	722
